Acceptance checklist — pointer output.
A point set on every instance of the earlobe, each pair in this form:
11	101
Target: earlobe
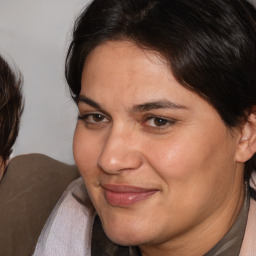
247	144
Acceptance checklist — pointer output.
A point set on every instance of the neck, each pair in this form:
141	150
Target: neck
207	234
2	168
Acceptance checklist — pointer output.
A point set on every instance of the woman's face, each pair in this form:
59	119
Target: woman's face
157	159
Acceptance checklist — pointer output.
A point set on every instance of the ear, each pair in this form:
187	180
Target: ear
247	143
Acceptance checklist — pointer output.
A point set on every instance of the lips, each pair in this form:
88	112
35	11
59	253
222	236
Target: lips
124	196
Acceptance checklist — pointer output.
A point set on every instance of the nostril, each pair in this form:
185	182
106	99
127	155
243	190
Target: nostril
118	151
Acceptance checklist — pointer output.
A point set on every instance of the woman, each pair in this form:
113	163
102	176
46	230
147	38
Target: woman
166	134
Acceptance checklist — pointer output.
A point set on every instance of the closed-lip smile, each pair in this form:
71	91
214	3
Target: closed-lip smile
125	195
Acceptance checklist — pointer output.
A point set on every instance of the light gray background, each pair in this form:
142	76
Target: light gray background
36	34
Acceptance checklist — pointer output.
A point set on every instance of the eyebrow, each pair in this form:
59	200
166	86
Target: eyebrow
157	105
137	108
88	101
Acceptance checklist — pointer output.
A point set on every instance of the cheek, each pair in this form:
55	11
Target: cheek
174	157
193	160
86	151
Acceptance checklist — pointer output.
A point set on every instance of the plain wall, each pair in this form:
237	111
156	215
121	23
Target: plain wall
35	34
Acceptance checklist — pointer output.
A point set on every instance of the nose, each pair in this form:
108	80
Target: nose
120	152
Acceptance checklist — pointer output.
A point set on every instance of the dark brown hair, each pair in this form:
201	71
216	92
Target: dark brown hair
11	107
210	46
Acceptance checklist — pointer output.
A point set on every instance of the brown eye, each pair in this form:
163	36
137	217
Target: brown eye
160	121
93	118
97	117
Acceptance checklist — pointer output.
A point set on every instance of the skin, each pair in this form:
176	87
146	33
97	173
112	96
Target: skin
2	168
139	127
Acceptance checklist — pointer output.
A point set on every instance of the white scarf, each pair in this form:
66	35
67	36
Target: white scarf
68	230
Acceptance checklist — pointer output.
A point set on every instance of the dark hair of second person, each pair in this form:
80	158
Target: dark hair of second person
11	107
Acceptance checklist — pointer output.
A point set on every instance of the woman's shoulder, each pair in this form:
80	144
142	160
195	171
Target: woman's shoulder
29	190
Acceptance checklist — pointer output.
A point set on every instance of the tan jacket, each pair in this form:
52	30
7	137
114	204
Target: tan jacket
29	191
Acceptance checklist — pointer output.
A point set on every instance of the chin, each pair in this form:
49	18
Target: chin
126	235
127	227
125	239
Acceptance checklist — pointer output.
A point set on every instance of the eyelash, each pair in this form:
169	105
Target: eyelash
164	123
93	123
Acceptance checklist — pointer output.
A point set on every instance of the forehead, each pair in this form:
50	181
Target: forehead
122	58
119	73
122	65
